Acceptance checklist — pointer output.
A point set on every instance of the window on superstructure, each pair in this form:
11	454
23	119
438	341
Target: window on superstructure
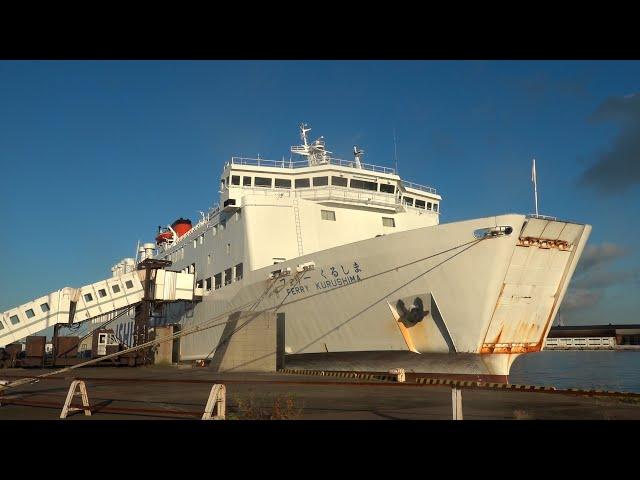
320	181
246	181
435	207
429	204
262	182
364	185
420	204
339	181
388	222
239	272
199	284
328	215
128	284
102	293
235	179
30	313
1	325
384	188
88	297
44	307
14	319
227	276
207	284
217	280
115	288
283	183
228	248
407	201
302	183
208	259
277	260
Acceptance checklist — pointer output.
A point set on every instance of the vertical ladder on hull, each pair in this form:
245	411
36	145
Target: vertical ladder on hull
296	213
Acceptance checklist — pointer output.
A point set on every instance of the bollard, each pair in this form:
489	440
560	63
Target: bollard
456	402
216	404
399	373
72	392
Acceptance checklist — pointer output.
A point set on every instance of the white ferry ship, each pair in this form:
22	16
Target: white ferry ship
358	268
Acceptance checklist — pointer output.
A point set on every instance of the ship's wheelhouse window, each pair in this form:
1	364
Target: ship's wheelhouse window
320	181
235	179
262	182
88	297
227	276
128	284
339	181
429	205
388	222
239	272
30	313
407	201
385	188
207	284
328	215
364	185
246	181
14	319
115	288
283	183
420	204
217	280
102	293
44	307
435	207
302	183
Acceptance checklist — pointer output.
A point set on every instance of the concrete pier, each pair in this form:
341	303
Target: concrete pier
167	392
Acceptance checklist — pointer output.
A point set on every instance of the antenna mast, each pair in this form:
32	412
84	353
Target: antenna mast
534	179
395	150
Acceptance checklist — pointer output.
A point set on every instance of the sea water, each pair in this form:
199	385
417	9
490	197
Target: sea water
616	370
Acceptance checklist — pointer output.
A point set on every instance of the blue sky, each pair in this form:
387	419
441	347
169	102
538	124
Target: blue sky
95	155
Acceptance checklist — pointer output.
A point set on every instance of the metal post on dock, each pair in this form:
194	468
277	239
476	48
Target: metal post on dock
456	402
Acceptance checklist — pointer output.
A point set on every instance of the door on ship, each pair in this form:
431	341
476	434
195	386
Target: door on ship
280	338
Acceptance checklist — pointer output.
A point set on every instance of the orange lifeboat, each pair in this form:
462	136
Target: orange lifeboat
180	226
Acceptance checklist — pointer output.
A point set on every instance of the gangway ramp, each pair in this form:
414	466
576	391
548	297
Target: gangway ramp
73	305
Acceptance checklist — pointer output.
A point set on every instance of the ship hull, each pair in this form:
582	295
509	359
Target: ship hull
479	302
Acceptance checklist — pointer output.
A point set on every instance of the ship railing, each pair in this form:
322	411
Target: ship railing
330	192
417	186
541	217
262	162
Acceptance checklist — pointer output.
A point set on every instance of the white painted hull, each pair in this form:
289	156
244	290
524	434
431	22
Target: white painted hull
490	298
